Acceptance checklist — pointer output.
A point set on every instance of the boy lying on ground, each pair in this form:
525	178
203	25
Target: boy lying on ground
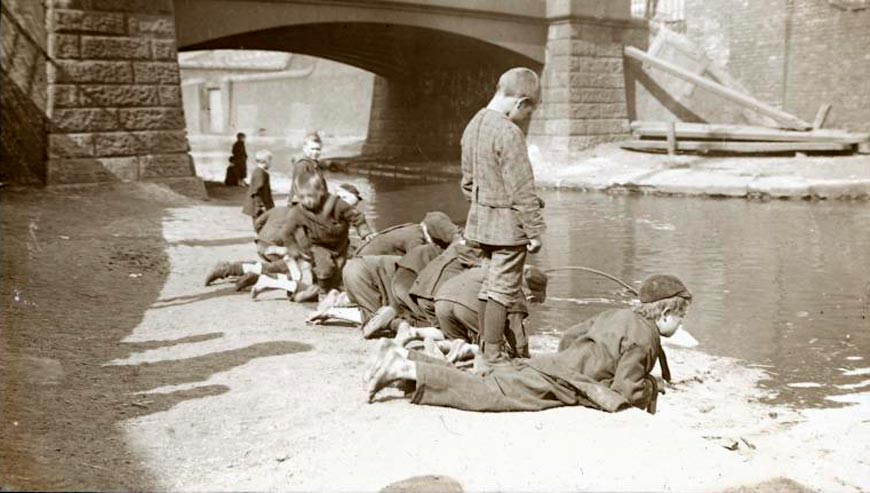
607	368
416	302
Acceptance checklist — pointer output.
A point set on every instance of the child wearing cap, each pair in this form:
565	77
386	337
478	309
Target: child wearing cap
606	367
312	146
436	227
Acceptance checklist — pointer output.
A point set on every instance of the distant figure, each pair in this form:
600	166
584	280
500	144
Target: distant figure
259	198
238	168
312	146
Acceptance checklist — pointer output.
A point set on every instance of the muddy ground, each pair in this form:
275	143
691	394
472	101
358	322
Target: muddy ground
121	371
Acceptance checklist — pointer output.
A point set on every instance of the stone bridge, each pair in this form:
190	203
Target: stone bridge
112	99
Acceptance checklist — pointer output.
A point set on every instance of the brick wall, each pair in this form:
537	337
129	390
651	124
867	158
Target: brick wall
23	87
115	105
795	54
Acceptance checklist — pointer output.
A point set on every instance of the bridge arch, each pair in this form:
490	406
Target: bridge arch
430	82
388	50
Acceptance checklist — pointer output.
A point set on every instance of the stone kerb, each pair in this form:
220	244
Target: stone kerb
115	106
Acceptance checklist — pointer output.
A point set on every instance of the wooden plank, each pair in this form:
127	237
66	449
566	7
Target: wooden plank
786	119
821	116
744	132
672	139
735	147
683	43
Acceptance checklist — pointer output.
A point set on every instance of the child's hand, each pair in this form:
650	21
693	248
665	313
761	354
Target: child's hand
534	245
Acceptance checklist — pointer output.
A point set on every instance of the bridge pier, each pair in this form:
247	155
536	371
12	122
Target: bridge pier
588	88
113	109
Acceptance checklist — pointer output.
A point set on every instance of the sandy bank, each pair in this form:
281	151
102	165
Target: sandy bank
223	393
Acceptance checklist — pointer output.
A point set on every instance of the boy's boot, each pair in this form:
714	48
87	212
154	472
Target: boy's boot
493	333
379	321
222	270
306	294
246	281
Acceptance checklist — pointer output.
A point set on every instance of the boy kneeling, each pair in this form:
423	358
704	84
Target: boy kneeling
607	367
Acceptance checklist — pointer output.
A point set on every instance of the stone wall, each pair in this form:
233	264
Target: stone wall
795	54
114	97
22	64
588	86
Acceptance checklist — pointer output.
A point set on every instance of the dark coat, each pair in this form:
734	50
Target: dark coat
329	227
454	260
259	197
240	160
396	240
618	351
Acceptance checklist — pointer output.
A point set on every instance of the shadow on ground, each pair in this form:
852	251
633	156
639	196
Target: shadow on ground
68	302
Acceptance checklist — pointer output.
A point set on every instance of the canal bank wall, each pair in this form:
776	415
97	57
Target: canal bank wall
608	168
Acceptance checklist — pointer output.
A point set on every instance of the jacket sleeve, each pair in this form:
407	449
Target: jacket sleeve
353	217
261	220
631	378
467	181
519	181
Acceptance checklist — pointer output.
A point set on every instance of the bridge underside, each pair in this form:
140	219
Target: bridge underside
429	82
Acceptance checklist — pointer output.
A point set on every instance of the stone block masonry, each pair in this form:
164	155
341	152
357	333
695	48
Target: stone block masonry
587	85
114	105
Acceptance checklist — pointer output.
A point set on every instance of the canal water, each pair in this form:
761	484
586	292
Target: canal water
782	285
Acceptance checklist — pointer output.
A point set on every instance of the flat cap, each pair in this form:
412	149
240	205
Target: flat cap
661	286
440	227
537	281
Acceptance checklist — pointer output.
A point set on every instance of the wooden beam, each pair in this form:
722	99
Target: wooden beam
786	119
672	139
744	132
821	116
735	147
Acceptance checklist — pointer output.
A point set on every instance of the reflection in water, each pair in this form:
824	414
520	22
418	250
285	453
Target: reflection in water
780	284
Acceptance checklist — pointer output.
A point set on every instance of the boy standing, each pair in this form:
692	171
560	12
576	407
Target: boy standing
259	198
505	216
312	146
